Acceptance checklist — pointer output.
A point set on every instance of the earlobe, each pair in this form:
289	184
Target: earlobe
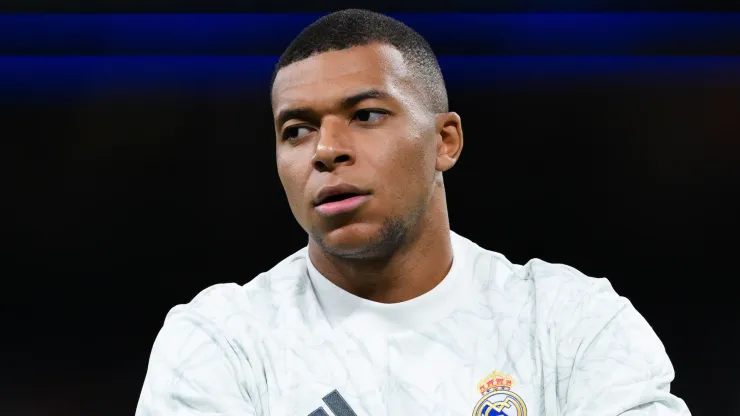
449	140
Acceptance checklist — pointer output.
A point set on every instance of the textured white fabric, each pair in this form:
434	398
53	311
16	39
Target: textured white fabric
291	343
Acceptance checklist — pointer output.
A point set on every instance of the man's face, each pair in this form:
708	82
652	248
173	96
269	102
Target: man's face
353	122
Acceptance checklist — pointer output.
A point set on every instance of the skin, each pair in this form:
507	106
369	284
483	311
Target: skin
396	246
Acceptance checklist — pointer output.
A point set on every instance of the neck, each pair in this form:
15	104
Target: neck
414	268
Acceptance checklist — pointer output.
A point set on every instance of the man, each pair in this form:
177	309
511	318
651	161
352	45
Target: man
386	311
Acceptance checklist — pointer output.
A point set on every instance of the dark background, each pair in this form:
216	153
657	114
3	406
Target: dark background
609	142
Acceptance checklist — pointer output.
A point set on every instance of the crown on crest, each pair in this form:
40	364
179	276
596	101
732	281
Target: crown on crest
496	381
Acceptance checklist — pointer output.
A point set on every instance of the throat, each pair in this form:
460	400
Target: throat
402	277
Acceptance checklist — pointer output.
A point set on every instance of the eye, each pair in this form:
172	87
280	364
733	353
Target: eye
295	132
369	116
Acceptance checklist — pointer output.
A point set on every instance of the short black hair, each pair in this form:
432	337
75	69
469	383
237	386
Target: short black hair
348	28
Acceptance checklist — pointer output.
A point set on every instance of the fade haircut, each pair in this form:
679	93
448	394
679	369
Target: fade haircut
358	27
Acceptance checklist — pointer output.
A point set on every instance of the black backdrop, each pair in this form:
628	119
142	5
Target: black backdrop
126	202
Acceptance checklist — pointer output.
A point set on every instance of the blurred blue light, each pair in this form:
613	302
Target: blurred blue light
56	77
449	33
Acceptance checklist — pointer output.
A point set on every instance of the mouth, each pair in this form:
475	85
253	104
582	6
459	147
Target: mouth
339	199
337	193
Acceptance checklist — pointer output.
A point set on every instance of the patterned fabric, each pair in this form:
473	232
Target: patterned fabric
493	338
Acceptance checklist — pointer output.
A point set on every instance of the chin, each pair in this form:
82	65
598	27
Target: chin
361	240
351	239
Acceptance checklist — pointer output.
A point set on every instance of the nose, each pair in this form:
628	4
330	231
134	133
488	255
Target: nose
333	148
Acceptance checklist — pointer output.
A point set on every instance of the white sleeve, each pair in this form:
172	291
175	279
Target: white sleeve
620	366
193	371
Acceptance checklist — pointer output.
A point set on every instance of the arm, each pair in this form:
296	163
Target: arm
622	369
193	371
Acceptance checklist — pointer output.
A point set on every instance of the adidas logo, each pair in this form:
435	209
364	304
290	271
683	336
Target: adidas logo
336	403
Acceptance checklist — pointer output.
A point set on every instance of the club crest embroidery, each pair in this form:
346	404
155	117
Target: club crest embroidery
498	399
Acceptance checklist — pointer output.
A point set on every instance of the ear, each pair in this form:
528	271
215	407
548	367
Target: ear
449	140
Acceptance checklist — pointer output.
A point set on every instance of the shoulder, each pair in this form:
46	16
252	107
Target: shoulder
571	301
255	304
206	356
561	283
560	295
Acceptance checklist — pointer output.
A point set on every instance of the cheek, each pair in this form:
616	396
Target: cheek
294	169
291	180
412	168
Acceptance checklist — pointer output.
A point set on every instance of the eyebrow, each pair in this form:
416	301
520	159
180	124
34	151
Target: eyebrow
306	113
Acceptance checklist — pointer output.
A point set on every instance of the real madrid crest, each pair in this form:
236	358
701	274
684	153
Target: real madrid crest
498	399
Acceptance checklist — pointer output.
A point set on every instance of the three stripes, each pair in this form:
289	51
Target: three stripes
336	403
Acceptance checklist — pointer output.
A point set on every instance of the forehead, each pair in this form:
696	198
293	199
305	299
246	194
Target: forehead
330	76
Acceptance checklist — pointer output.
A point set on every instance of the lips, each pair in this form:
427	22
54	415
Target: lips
337	193
339	200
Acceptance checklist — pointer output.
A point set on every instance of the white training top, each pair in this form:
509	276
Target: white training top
493	338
